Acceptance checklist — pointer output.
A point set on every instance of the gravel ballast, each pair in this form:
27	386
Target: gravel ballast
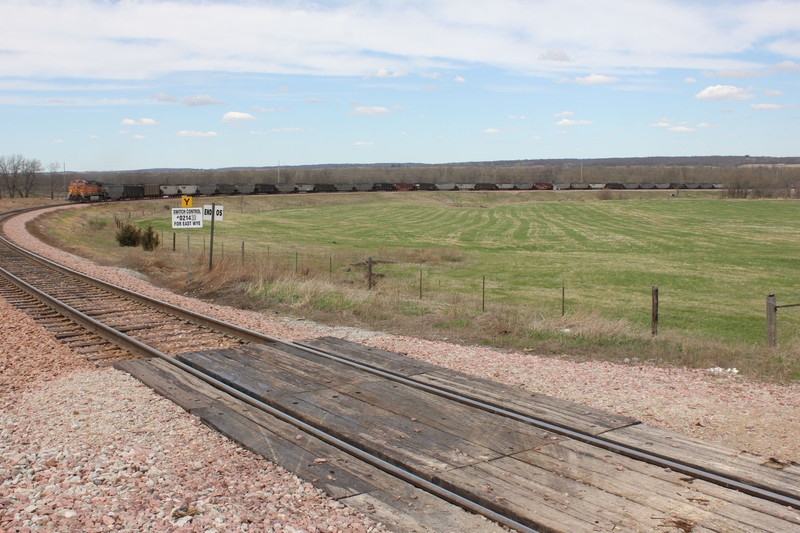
91	449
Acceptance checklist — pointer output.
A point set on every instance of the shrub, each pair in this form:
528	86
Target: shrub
149	238
129	235
97	223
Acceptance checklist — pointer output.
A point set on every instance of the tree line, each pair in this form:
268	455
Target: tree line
745	176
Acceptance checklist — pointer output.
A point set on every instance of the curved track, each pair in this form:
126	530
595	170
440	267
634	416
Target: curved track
153	328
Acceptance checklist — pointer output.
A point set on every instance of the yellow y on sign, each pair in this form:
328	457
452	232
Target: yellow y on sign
186	201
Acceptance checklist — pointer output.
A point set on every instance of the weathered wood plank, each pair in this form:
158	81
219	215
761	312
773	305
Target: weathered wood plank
553	410
408	509
257	376
503	435
152	373
548	504
709	455
385	360
693	500
426	448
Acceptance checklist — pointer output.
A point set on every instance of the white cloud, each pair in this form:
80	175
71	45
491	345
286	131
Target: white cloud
564	114
137	136
690	80
771	107
786	66
724	92
191	101
383	73
594	79
459	79
140	122
517	117
663	123
364	143
201	100
237	116
166	98
188	133
371	111
260	109
58	141
555	54
289	129
571	122
48	40
680	129
732	73
491	131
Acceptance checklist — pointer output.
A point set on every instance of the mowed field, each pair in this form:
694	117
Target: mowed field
714	260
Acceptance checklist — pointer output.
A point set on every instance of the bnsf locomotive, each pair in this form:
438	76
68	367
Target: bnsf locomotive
93	191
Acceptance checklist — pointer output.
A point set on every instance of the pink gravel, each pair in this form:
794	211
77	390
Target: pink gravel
90	449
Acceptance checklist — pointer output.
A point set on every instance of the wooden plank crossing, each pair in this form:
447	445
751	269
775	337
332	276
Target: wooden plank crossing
359	485
558	412
618	429
547	481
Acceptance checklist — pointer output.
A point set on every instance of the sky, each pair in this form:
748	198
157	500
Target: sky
132	84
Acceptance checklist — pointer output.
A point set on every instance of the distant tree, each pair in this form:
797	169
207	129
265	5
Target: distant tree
19	174
53	169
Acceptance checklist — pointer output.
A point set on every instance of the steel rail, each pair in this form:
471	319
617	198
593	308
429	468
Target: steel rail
752	488
140	348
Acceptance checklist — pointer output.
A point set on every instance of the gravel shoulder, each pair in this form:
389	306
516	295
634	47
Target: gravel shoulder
90	449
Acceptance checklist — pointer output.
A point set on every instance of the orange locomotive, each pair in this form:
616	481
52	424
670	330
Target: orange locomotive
85	191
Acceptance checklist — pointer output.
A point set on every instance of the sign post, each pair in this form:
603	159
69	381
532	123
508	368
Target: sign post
212	212
187	217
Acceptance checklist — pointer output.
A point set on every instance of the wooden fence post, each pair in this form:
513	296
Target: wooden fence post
654	294
772	319
483	296
369	274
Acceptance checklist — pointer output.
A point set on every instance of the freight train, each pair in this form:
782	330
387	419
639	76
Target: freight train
81	190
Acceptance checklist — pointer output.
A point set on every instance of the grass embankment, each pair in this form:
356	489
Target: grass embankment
714	261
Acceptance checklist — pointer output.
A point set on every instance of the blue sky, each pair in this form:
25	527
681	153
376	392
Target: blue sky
131	84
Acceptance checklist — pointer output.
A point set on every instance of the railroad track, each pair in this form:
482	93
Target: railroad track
471	443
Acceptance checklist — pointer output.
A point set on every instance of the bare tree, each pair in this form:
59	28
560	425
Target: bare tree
19	174
53	169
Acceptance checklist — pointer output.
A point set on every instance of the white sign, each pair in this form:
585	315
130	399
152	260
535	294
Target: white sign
187	217
219	211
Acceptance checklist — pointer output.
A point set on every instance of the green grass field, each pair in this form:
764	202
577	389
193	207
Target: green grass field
714	260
